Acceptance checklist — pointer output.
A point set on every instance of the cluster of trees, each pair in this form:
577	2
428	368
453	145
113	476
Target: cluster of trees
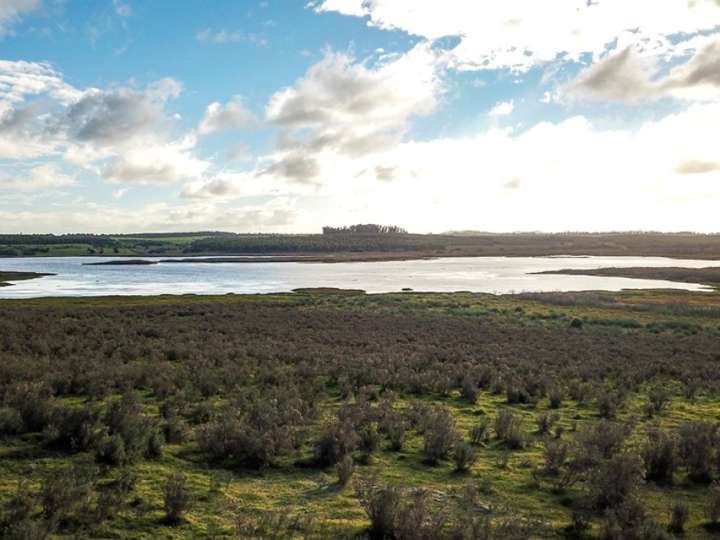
315	243
253	384
98	240
370	228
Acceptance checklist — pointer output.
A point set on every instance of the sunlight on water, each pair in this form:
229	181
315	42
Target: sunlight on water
497	275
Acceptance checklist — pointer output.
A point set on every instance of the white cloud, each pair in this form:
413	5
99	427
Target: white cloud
218	37
12	10
231	116
120	193
351	108
123	134
276	215
117	117
156	164
20	80
41	177
502	108
570	175
627	75
520	34
122	9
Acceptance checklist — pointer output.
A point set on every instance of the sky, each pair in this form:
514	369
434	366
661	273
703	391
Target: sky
284	115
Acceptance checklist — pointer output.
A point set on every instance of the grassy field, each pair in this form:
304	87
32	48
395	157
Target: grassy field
253	400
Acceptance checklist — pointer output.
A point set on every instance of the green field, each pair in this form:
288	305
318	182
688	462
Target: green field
252	400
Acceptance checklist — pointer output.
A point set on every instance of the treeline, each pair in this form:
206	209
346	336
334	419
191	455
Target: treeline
314	243
378	238
97	240
370	228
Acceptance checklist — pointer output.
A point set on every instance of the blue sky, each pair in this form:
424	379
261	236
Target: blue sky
283	116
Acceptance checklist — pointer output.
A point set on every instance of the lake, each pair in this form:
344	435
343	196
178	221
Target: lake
497	275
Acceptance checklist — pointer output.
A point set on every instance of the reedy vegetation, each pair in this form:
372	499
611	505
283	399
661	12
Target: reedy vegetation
420	411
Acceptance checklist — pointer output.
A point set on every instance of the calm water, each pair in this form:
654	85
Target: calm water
478	274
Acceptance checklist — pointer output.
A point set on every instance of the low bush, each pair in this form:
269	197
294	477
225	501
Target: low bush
464	456
480	432
508	429
658	400
555	456
679	515
660	456
176	498
609	402
338	441
440	435
345	469
469	389
696	448
713	505
66	490
545	422
615	480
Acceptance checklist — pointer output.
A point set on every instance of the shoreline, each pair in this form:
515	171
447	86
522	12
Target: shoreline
708	276
6	277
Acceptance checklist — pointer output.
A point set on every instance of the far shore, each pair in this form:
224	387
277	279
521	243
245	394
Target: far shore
709	276
333	258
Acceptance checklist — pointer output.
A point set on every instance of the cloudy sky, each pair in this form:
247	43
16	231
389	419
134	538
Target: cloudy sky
286	115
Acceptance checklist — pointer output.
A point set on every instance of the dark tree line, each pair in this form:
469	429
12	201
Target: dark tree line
370	228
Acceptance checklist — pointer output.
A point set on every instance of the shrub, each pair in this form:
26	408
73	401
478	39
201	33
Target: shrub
439	435
381	504
175	430
545	422
579	391
394	513
679	514
601	440
32	401
155	445
556	396
479	433
176	498
16	522
396	434
469	390
72	429
246	442
345	469
369	439
339	440
696	443
111	450
464	456
713	508
11	423
66	490
609	403
615	480
658	399
555	455
508	429
516	393
625	522
659	456
124	421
